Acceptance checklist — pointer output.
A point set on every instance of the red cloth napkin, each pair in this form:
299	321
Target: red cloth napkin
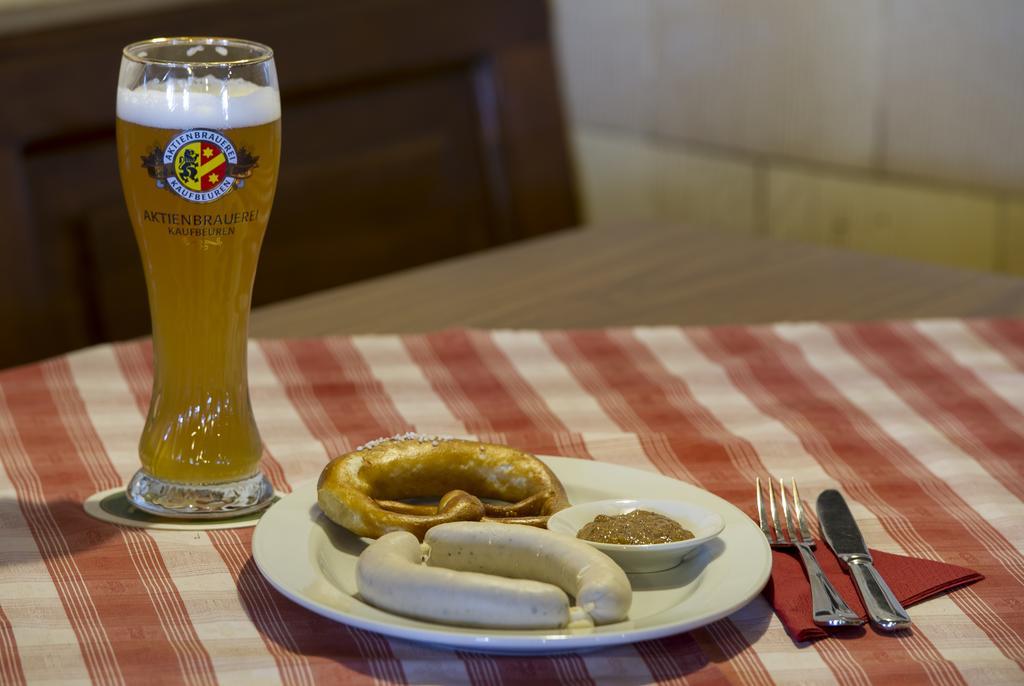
911	580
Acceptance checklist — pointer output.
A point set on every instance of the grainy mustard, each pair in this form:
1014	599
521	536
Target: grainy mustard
638	527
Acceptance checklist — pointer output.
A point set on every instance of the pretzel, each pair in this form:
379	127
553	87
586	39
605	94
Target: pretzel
364	490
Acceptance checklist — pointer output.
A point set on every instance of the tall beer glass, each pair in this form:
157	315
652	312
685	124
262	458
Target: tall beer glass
198	137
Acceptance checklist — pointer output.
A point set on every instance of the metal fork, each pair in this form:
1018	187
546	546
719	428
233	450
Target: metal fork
828	607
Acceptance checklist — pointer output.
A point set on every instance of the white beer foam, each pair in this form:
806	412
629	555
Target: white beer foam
201	103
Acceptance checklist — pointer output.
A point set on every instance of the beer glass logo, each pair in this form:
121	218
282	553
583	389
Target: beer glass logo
200	165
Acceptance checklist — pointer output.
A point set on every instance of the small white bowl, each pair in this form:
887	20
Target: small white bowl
650	557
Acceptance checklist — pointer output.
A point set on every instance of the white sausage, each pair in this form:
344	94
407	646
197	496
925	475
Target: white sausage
599	586
389	575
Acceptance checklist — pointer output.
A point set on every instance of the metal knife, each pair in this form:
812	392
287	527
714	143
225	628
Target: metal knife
844	537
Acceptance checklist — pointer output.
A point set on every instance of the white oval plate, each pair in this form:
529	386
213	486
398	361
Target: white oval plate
312	561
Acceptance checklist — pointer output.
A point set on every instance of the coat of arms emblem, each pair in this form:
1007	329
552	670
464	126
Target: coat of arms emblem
200	165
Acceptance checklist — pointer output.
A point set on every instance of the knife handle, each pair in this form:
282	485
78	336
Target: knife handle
828	609
882	607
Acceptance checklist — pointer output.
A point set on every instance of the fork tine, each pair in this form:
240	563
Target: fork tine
805	531
762	514
775	513
787	513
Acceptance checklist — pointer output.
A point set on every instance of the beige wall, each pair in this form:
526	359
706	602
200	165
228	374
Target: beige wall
893	126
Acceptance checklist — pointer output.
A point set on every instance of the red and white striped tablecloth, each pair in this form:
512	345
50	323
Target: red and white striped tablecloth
920	424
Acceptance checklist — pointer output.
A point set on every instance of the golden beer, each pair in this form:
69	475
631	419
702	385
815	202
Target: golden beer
199	263
198	161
